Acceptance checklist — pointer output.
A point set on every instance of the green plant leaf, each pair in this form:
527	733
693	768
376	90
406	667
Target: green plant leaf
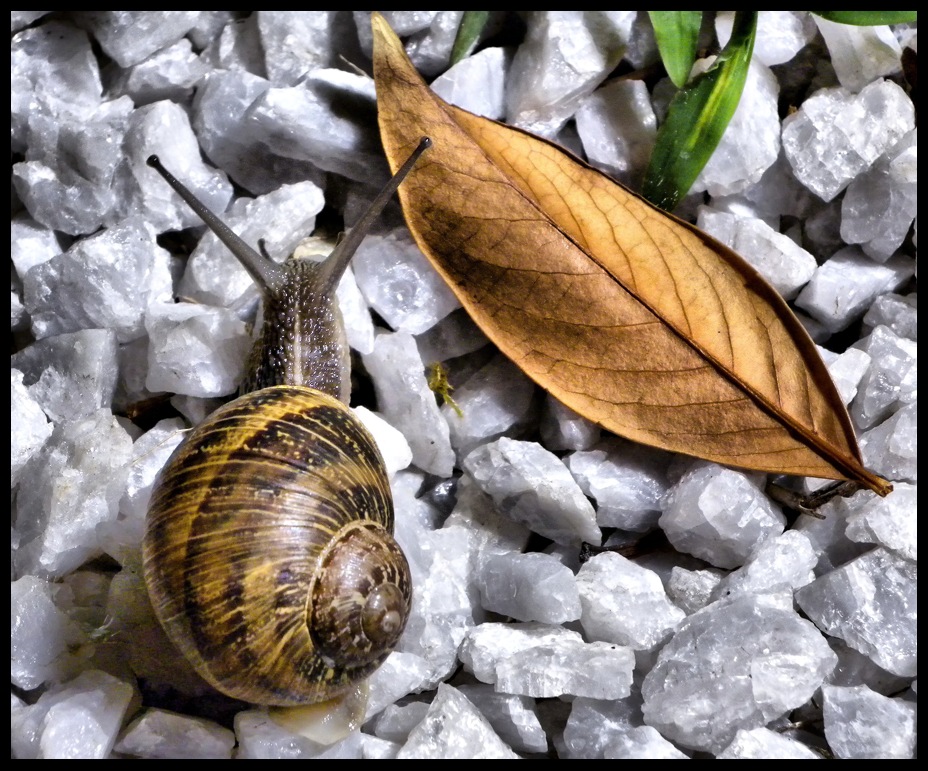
677	33
697	118
868	18
472	24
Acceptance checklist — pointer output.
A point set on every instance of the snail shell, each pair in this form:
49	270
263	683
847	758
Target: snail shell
268	553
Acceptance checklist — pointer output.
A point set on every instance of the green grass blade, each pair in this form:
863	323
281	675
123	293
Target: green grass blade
697	118
868	18
472	24
677	33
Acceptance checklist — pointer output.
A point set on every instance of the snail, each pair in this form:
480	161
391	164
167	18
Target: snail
268	552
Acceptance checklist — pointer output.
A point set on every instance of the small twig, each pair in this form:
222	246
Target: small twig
808	504
647	544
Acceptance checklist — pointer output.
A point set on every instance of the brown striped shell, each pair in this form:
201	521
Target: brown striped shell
269	555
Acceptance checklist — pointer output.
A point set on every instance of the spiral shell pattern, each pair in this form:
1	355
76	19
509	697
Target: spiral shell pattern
274	517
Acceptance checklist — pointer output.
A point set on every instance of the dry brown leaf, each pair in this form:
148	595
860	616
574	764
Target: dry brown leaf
631	317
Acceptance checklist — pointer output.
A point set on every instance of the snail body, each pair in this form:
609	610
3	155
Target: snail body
268	552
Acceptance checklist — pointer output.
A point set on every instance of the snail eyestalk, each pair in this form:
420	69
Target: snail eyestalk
338	260
266	274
